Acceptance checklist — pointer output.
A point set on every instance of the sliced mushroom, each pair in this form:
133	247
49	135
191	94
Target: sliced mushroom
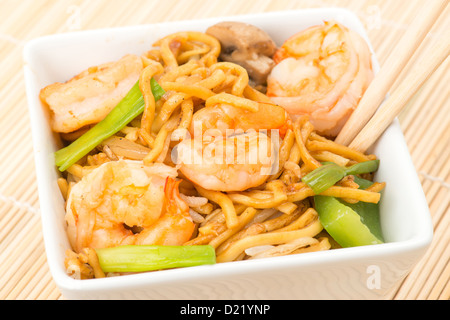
246	45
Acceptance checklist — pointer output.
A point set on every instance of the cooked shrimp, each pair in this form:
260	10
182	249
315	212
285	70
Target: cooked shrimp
234	163
223	117
226	152
321	72
90	96
125	202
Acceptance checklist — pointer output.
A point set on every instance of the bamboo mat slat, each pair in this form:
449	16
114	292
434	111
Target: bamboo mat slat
425	122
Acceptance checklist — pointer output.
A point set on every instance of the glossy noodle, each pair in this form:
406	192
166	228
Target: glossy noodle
246	204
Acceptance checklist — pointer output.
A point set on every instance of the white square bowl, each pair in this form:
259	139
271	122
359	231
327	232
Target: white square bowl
351	273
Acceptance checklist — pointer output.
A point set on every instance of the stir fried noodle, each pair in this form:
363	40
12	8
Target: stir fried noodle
243	209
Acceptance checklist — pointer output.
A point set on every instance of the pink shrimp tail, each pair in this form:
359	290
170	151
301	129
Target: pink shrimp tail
174	203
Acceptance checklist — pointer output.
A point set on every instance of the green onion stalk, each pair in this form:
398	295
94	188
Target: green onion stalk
350	224
329	173
141	258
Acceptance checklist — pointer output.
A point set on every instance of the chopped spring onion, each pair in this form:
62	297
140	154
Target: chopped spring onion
368	212
350	224
363	167
324	177
329	173
140	258
344	224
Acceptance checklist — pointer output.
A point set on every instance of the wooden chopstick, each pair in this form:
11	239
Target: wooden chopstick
387	112
391	69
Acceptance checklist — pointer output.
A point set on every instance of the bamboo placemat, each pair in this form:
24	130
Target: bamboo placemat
24	273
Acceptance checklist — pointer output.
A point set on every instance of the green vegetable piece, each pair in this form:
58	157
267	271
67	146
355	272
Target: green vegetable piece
369	212
363	167
140	258
343	223
329	173
324	177
350	224
129	108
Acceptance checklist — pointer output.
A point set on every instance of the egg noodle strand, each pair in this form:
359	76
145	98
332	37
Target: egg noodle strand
274	219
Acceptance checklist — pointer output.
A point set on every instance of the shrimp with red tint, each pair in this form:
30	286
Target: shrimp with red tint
321	72
232	149
228	163
222	117
125	202
88	97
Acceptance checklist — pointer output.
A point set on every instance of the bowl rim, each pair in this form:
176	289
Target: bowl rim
63	281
